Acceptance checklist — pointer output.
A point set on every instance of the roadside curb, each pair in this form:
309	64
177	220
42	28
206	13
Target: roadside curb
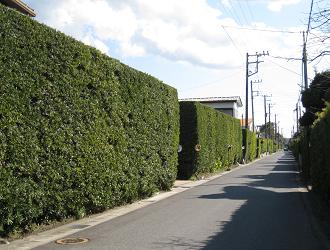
45	237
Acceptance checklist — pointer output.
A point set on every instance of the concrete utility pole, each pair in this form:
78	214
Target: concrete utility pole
275	128
247	75
278	133
270	135
304	60
252	95
297	116
265	107
292	131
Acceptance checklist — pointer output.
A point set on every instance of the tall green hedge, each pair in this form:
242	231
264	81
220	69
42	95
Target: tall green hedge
300	147
216	134
266	146
79	132
251	145
319	154
261	146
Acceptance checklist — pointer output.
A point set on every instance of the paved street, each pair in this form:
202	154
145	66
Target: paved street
260	206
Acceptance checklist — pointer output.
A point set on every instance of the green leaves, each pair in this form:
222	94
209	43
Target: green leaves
210	140
319	154
251	145
79	132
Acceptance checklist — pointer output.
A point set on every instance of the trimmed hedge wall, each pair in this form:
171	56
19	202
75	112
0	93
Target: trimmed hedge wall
219	136
79	132
251	145
261	146
299	145
319	154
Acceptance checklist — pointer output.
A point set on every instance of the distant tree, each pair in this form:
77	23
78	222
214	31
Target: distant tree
264	129
314	98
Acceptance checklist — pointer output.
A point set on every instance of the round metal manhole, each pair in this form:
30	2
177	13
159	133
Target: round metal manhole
71	241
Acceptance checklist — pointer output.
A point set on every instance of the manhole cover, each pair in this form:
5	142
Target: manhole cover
71	241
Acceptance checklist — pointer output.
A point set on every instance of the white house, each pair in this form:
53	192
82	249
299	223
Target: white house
228	105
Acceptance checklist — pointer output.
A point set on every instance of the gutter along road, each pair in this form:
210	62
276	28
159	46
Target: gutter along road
259	206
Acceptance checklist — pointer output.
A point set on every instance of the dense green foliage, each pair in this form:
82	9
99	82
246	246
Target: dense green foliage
250	146
219	137
319	154
313	98
269	130
79	132
311	145
262	147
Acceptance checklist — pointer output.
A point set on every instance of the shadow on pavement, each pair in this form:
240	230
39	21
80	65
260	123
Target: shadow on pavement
268	219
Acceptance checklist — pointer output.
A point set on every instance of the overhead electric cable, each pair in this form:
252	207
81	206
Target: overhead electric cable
286	58
309	20
215	81
243	14
234	13
263	30
289	70
232	41
249	9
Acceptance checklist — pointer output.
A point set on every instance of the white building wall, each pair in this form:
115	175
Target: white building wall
225	105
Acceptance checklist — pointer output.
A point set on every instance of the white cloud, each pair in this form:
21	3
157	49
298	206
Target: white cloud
226	3
169	29
277	5
92	41
185	31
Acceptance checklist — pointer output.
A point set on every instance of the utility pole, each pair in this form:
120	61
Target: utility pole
247	75
292	130
297	117
278	133
265	105
265	128
246	93
252	95
265	108
270	135
275	128
304	60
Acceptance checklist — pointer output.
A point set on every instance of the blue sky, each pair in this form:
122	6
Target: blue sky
196	46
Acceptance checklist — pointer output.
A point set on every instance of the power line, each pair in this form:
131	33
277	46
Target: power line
243	14
236	17
285	68
263	30
230	13
309	20
213	82
286	58
249	9
232	41
232	9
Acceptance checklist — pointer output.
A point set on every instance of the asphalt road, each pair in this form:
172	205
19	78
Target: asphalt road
260	206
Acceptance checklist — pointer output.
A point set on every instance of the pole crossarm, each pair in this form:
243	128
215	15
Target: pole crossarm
249	74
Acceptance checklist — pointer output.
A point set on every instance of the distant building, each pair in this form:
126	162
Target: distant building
19	6
227	105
